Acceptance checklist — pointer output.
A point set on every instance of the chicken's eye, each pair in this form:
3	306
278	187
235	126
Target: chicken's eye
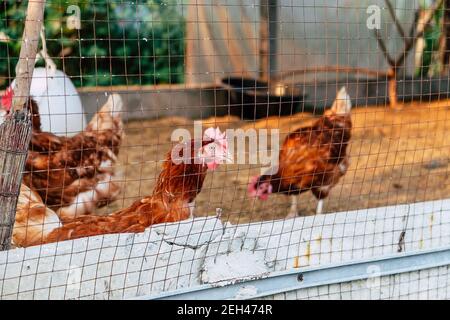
211	148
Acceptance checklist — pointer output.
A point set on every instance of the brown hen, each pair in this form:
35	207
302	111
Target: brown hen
74	175
311	158
172	199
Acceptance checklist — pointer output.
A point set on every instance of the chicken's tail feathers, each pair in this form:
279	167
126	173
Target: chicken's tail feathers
113	106
96	194
342	104
34	220
109	116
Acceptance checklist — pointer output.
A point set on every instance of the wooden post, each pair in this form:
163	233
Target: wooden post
15	131
264	40
392	89
273	37
28	51
268	27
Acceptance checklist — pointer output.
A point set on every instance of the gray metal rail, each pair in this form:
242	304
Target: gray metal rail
316	276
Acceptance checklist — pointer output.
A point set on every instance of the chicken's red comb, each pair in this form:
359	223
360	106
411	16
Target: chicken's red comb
216	135
7	98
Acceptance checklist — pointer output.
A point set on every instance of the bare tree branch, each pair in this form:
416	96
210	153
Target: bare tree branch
414	34
413	26
383	48
337	69
395	19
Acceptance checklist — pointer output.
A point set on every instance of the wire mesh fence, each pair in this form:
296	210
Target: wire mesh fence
232	149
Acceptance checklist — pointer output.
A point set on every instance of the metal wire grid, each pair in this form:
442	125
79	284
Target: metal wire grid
128	265
428	284
381	142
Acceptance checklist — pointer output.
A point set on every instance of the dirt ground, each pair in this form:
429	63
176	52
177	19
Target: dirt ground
396	157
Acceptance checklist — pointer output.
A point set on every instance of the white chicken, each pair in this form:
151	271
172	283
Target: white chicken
60	108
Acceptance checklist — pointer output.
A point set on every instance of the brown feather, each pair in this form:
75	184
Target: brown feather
34	221
313	158
177	186
61	169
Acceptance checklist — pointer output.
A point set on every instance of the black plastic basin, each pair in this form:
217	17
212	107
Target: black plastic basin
254	99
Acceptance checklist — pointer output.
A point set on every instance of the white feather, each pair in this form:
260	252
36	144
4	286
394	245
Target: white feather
59	104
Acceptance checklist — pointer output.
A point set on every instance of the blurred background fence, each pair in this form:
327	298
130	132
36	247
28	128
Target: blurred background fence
180	42
249	65
158	41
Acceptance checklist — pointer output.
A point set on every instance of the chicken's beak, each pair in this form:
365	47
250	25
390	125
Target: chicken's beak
222	154
227	158
223	158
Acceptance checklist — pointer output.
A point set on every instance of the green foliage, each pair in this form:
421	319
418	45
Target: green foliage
120	42
432	34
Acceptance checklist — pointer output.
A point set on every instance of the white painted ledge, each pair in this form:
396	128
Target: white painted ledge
203	250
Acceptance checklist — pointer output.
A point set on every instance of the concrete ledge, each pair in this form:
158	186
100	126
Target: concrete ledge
204	251
207	100
203	101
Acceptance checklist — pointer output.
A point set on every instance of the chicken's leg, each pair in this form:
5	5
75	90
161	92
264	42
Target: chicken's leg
319	207
293	211
191	206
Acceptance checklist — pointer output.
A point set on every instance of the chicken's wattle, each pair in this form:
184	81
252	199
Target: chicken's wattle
212	166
